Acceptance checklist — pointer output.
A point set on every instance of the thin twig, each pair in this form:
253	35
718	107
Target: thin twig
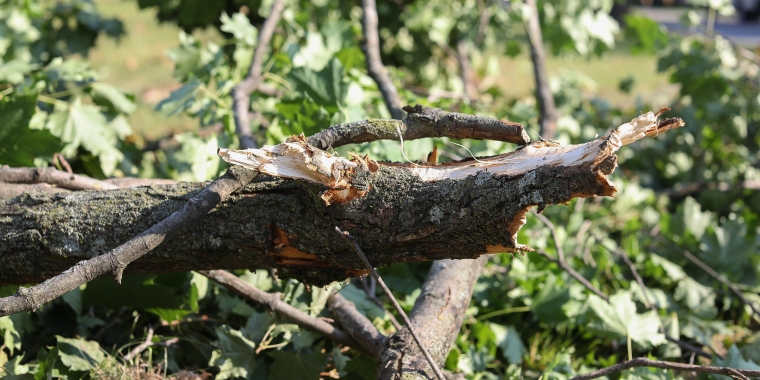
562	264
538	56
644	362
375	67
52	176
369	290
553	230
241	94
356	324
387	291
465	69
142	346
421	122
723	280
116	260
277	305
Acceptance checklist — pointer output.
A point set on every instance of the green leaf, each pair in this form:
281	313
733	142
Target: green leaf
11	337
620	320
240	27
296	366
14	71
20	145
84	125
507	338
74	300
327	87
114	97
79	354
548	304
259	279
138	291
257	325
648	35
236	356
180	99
363	304
734	359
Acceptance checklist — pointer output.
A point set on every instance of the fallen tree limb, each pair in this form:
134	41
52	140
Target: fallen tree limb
405	213
273	302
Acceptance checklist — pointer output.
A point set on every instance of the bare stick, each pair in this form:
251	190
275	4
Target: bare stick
710	271
356	325
375	67
465	69
241	94
142	346
117	259
644	362
387	291
52	176
543	92
421	122
276	305
562	264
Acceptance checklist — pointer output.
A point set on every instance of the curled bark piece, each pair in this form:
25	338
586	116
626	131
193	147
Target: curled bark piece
421	122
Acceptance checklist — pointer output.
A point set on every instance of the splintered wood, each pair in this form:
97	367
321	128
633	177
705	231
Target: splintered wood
347	179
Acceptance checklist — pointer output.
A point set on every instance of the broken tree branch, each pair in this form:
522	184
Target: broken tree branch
375	67
276	305
421	122
241	94
397	213
544	94
52	176
356	324
644	362
437	315
388	293
116	260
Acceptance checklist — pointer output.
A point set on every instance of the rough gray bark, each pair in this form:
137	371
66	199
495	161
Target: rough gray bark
437	316
284	223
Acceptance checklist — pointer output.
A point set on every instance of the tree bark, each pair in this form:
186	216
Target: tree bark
437	314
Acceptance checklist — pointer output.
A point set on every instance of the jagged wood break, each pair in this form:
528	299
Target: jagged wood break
286	219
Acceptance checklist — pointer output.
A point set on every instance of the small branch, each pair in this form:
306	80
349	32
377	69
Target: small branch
356	325
241	94
276	305
562	264
375	67
52	176
12	190
421	122
709	271
644	362
465	69
370	292
388	292
116	260
140	348
538	56
553	230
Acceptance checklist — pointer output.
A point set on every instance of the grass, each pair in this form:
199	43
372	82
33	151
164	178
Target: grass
602	76
138	64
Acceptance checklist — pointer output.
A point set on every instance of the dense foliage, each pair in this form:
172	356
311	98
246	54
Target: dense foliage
528	317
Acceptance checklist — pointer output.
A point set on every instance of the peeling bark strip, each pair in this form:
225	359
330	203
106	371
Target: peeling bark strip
277	222
422	122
